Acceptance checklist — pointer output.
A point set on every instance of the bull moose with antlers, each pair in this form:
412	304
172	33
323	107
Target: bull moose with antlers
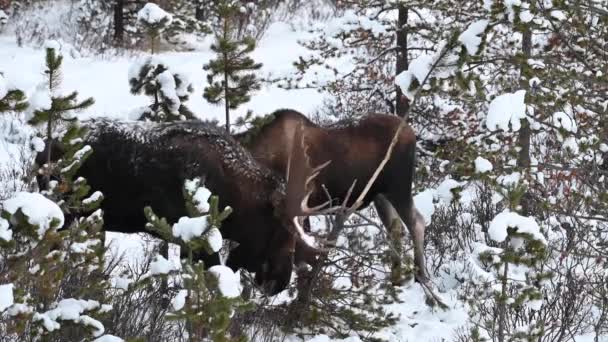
139	164
355	151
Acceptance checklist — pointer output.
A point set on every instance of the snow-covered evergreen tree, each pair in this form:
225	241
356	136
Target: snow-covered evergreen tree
154	21
208	298
49	107
169	91
11	99
231	75
42	266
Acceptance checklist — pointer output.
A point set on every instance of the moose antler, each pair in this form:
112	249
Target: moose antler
300	186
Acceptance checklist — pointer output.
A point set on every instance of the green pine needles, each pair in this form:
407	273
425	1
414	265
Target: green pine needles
56	109
231	75
168	91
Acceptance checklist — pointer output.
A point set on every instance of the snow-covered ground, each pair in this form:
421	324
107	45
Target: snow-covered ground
106	80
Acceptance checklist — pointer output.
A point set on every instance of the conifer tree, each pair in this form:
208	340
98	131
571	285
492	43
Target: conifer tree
11	99
169	91
53	108
209	298
231	78
154	21
44	266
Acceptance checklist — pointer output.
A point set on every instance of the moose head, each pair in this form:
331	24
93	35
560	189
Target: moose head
300	179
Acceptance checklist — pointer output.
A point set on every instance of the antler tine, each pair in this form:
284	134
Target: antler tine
301	178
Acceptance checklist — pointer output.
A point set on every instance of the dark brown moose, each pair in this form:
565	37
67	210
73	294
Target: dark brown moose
137	164
355	151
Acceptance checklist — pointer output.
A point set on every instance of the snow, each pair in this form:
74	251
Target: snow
188	228
506	109
6	296
37	144
565	121
278	49
52	44
168	89
509	180
84	247
152	14
70	310
160	265
214	238
5	233
470	37
444	190
559	15
418	69
424	203
40	99
570	144
95	197
179	300
201	197
482	165
40	211
522	224
121	283
3	87
108	338
229	282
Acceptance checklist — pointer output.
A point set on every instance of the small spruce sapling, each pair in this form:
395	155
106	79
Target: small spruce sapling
169	91
231	75
11	99
55	108
517	275
209	298
154	20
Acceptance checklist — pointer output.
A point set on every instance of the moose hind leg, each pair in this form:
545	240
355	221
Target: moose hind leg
394	227
415	224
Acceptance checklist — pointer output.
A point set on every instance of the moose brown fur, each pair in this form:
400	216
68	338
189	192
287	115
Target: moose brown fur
144	164
355	151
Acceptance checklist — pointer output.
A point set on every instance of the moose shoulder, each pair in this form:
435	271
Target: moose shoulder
355	150
145	164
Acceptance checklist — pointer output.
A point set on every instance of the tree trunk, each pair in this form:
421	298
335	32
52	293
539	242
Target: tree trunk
525	132
119	25
401	103
199	13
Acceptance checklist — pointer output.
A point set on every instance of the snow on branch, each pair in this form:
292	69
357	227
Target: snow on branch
152	14
71	310
470	38
507	109
229	282
40	212
499	226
